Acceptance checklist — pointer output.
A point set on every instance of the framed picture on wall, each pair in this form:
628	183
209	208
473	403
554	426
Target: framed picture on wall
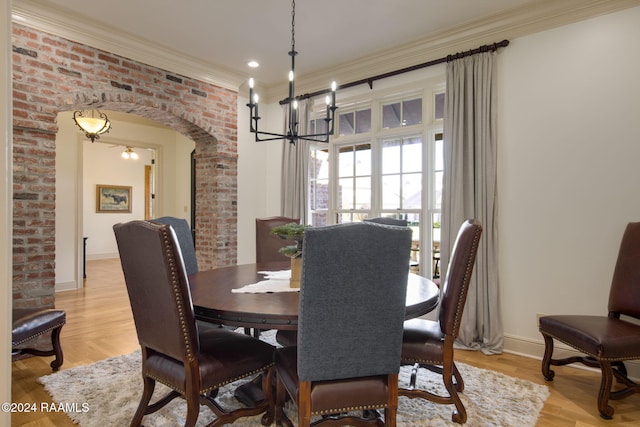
113	199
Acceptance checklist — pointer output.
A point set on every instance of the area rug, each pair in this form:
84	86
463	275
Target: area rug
107	393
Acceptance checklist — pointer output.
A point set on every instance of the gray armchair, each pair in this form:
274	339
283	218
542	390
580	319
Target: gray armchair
185	239
352	307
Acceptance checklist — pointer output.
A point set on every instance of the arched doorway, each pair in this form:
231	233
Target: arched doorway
75	76
82	231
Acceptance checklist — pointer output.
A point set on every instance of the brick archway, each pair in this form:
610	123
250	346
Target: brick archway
52	74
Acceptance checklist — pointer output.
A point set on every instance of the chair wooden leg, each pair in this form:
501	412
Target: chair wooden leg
607	371
606	411
391	411
193	409
448	371
267	387
620	374
57	349
460	414
459	381
281	397
149	386
304	404
546	360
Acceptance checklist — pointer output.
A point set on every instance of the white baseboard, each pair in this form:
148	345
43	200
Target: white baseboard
535	349
91	257
66	286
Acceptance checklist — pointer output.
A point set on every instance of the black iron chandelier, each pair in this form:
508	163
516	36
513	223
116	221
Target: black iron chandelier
292	102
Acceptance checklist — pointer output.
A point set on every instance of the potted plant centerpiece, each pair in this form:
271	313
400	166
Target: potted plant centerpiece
292	231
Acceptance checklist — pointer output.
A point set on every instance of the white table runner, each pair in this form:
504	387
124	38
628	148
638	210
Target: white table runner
275	281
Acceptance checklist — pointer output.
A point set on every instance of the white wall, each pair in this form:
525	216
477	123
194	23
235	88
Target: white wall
80	165
258	178
105	166
568	167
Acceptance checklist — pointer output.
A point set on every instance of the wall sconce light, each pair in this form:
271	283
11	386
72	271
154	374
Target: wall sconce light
93	123
128	153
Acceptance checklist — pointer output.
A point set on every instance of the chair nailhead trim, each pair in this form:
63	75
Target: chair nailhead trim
178	297
38	334
422	361
467	279
607	359
349	409
239	377
208	389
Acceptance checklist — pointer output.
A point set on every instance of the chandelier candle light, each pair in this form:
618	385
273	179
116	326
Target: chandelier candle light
292	124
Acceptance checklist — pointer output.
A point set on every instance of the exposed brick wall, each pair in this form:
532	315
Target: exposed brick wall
52	74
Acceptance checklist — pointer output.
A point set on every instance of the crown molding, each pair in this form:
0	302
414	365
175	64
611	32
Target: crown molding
74	27
529	19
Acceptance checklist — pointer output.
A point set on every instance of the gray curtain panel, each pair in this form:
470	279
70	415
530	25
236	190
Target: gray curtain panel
469	190
295	169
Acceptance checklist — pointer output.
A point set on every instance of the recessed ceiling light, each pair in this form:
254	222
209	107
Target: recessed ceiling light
253	64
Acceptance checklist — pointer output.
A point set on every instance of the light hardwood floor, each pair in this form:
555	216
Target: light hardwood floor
100	325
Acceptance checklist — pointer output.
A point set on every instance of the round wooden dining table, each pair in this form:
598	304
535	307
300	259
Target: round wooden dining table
214	301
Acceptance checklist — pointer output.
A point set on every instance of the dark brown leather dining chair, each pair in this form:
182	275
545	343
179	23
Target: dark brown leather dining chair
193	360
352	307
267	245
429	343
606	342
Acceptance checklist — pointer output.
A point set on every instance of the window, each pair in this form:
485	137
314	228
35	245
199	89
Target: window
354	122
436	202
319	185
317	126
384	160
404	113
402	173
354	182
438	108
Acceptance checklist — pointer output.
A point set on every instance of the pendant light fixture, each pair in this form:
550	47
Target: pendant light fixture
293	115
128	153
92	123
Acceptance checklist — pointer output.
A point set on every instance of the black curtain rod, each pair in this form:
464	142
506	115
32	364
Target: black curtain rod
485	48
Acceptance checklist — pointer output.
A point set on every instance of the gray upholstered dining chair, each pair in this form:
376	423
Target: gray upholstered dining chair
352	307
605	342
290	338
429	343
185	239
193	360
388	221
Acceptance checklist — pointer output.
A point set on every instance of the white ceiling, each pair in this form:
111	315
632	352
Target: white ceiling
331	35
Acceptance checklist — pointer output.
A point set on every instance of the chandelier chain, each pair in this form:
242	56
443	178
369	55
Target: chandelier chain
293	25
